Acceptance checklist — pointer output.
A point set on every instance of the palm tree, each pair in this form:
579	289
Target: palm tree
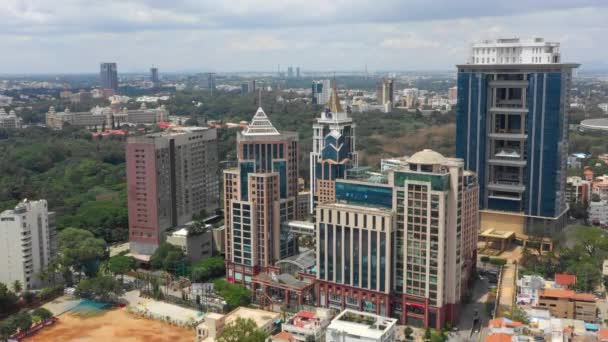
17	287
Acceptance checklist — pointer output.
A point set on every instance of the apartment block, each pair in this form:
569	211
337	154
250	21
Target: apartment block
171	176
28	242
569	304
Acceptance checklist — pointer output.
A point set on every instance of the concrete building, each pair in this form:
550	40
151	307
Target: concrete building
453	95
333	151
569	304
511	129
154	77
415	233
515	51
355	326
28	242
308	324
100	118
259	195
10	120
196	244
303	205
385	92
321	91
578	190
171	176
248	87
598	212
108	76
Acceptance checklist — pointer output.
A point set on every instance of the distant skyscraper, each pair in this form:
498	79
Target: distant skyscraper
385	92
248	87
333	151
298	72
28	241
154	77
211	83
109	76
321	91
512	130
259	195
453	95
171	176
290	72
401	245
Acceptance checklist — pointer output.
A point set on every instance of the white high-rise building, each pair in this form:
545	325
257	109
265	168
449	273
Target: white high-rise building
321	91
27	242
515	51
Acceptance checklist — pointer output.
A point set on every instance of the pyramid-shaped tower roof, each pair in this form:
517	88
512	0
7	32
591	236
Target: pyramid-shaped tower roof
334	102
260	125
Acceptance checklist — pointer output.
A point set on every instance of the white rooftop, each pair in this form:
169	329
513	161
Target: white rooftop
374	327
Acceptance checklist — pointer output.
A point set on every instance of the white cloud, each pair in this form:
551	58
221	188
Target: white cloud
257	43
408	42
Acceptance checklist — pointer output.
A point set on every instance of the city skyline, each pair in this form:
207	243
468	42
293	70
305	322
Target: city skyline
422	36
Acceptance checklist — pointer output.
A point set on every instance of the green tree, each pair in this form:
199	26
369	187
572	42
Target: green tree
105	288
17	287
121	264
408	331
235	295
208	268
8	299
22	320
168	257
7	328
43	313
242	330
79	250
427	334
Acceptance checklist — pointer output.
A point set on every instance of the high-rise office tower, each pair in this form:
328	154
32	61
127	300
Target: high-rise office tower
259	195
171	176
28	241
108	75
154	77
385	92
512	130
211	83
333	151
298	72
248	87
290	72
321	91
403	245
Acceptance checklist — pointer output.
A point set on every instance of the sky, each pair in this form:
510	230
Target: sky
74	36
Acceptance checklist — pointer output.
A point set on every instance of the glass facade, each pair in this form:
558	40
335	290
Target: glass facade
364	194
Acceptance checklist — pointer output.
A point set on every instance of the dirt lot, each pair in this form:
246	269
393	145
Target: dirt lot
114	325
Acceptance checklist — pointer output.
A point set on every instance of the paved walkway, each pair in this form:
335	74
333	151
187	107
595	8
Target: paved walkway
507	288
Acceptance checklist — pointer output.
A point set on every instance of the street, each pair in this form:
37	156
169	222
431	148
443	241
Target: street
467	330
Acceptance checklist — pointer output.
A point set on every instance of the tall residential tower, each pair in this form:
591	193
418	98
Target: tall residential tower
171	176
512	130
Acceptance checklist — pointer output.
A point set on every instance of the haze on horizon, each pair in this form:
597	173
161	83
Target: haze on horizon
74	36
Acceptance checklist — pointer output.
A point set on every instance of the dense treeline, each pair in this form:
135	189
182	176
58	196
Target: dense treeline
83	179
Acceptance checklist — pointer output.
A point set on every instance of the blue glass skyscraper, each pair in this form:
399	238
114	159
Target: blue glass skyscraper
512	130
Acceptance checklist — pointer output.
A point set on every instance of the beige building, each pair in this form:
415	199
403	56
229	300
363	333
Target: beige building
10	120
569	304
108	117
213	324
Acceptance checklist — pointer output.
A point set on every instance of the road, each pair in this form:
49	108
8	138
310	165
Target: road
466	331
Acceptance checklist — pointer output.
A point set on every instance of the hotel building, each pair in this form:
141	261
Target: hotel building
106	117
512	130
259	195
171	176
403	245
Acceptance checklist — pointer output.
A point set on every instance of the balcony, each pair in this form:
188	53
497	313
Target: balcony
508	157
509	84
506	186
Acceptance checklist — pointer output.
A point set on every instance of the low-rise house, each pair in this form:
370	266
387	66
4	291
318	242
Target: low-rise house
598	212
569	304
356	326
308	323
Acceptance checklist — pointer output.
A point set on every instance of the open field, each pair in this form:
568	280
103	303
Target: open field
112	325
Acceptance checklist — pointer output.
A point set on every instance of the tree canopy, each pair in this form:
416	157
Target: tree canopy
79	250
169	258
242	330
235	295
101	287
207	269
